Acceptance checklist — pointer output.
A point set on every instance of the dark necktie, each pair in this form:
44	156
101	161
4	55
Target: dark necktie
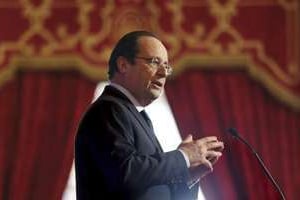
148	121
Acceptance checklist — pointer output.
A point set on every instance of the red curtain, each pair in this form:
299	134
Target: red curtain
39	112
208	102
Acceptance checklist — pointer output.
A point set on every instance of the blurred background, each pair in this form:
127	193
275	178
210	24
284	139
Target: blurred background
236	64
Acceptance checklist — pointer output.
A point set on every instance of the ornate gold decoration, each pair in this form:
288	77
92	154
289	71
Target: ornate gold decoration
88	50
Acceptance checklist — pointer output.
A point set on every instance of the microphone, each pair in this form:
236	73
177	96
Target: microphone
234	133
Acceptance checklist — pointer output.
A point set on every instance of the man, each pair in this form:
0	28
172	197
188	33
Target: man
117	155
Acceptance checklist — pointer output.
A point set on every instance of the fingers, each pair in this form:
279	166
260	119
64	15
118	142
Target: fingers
217	146
208	164
202	153
205	151
210	143
209	158
213	156
210	154
212	151
207	140
213	160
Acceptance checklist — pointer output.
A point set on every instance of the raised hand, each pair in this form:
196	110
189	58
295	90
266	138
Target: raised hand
202	153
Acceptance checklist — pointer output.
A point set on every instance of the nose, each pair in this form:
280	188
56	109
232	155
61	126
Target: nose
162	70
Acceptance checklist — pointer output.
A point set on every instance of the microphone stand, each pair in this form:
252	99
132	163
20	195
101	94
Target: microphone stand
235	134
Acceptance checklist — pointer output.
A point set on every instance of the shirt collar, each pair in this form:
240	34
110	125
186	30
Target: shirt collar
133	100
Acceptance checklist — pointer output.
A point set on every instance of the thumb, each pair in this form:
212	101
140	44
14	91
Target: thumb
188	139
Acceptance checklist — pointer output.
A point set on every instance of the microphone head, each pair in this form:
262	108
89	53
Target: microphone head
233	132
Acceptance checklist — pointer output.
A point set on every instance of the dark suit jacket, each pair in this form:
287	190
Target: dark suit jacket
118	157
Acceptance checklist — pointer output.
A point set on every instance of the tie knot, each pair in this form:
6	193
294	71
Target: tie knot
145	115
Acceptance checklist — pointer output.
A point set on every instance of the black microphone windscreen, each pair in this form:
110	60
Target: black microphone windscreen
233	132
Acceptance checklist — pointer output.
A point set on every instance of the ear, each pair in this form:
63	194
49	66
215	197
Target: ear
122	64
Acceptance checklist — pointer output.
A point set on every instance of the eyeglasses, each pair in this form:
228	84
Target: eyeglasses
155	63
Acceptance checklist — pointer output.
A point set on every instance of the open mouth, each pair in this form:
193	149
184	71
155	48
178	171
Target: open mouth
157	84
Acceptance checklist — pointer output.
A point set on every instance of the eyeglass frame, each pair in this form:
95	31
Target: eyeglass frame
156	63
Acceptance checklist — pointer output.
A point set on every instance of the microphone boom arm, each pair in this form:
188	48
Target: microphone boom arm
235	134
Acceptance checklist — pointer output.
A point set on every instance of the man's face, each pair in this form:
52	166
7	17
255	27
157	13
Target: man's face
146	82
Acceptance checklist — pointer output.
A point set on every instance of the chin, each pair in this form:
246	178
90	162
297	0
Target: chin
155	94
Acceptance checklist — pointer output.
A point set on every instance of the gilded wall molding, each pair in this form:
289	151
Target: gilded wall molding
194	31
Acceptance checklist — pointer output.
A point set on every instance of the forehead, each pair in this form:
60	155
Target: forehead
151	46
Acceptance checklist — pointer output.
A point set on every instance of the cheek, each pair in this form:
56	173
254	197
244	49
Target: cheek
146	77
141	82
